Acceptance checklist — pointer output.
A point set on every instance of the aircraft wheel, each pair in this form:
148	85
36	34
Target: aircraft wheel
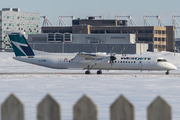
167	73
99	72
87	72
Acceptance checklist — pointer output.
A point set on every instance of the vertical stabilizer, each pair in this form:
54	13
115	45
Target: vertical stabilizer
20	45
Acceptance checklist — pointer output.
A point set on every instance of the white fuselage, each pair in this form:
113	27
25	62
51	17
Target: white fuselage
101	63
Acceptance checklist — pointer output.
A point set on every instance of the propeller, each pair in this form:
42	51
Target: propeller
112	57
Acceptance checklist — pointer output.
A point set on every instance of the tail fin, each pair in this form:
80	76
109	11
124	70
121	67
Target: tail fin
20	45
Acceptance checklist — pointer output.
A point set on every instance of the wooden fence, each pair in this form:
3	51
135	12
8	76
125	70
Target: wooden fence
84	109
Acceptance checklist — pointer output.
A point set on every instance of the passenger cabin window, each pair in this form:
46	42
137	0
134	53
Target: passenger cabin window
161	60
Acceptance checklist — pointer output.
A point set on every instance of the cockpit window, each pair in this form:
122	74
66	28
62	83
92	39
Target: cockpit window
161	60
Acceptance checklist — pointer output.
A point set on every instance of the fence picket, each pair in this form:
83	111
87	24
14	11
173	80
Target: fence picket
48	109
85	109
159	110
12	109
122	109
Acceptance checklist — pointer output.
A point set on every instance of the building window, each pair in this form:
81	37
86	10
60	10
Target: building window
132	31
163	32
145	39
163	39
145	31
159	31
163	46
17	17
155	39
111	31
155	31
159	39
4	24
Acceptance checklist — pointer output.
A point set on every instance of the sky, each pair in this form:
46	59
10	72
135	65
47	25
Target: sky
107	8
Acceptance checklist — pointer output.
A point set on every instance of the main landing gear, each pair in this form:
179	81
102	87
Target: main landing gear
88	70
167	73
98	72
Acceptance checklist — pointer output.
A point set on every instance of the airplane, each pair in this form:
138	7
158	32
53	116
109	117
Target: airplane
85	61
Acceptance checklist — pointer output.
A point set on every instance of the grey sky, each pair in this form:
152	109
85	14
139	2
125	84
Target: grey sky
108	8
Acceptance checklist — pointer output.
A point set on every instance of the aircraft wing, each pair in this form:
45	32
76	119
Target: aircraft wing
90	59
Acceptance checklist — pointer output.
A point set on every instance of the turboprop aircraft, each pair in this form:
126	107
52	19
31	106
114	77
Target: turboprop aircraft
86	61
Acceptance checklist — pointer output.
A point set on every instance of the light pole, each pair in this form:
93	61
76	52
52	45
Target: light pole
95	47
62	47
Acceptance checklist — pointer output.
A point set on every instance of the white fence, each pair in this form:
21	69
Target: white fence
84	109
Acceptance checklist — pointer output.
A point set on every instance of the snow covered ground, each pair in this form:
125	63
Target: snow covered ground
67	89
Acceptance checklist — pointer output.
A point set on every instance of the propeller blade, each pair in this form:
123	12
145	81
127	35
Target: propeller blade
112	57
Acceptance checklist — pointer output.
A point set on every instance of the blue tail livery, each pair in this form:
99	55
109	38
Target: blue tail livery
20	45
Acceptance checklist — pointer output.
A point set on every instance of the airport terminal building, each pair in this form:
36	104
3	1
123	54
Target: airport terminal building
162	38
85	35
90	43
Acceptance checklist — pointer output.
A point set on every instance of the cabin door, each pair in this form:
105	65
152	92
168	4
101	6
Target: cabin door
60	63
140	65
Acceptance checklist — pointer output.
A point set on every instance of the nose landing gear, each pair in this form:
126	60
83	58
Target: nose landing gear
167	73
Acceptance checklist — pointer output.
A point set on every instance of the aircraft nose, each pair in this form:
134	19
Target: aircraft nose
172	67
